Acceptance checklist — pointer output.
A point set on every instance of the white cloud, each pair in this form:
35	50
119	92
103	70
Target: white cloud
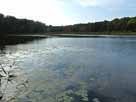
54	12
100	3
88	2
48	11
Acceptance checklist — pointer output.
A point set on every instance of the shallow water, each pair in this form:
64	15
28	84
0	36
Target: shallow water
76	69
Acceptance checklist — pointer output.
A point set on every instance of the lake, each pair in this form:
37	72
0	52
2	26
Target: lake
70	69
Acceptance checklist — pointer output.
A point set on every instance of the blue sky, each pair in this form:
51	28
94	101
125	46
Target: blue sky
65	12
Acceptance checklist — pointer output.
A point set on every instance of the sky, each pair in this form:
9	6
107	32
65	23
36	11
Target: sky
67	12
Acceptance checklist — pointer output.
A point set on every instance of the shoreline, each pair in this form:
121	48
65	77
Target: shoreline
48	35
91	35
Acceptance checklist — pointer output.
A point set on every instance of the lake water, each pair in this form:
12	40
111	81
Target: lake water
75	69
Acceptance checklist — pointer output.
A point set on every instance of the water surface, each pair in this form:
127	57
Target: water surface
76	69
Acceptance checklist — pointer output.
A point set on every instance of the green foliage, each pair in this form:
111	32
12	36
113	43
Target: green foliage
12	25
132	21
125	24
132	24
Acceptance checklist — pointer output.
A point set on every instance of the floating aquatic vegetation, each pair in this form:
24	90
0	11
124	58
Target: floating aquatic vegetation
81	93
10	82
53	86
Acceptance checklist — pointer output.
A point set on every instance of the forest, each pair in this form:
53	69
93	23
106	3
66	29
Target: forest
126	24
13	25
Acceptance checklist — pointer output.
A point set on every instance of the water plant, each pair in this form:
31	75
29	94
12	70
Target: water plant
10	82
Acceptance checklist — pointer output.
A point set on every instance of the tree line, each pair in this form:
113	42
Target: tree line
126	24
12	25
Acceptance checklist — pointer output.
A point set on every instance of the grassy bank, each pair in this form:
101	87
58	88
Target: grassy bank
92	33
